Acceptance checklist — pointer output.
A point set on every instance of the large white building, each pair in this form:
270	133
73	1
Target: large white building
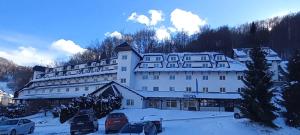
187	81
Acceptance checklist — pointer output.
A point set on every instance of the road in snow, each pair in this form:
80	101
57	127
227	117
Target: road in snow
176	122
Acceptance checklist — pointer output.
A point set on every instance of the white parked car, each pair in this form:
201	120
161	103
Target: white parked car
237	114
3	118
17	126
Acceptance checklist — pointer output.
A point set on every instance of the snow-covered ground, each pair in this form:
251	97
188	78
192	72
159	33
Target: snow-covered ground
176	122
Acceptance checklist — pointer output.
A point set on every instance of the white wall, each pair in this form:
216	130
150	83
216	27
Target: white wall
231	83
138	100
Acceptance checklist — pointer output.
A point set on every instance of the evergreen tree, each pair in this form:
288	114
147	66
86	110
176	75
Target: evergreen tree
291	93
257	95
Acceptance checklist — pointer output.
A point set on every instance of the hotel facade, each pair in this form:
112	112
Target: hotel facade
204	81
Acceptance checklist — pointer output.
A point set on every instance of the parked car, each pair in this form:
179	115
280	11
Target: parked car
114	122
84	122
157	121
142	128
17	127
237	114
3	118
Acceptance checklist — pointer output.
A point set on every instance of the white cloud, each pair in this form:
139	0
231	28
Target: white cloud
27	56
155	17
162	33
115	34
67	46
139	18
186	21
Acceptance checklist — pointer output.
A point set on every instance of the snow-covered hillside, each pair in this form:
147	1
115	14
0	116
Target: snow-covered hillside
176	122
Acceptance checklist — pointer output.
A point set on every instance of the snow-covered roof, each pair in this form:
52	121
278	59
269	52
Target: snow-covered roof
243	54
181	94
233	65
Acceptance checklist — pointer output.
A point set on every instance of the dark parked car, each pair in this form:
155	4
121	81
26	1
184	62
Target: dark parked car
157	121
143	128
114	122
84	122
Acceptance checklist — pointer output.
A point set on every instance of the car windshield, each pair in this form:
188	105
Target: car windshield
81	118
9	122
116	115
134	128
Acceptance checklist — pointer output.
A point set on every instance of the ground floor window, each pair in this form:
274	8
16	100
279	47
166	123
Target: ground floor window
153	104
171	103
129	102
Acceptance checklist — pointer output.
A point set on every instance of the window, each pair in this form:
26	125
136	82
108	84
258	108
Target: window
203	58
188	58
155	88
58	90
240	90
219	57
222	77
145	77
221	65
51	90
123	68
222	90
124	57
123	80
157	58
172	77
86	88
129	102
156	65
76	89
43	91
188	89
171	103
188	77
145	88
172	65
173	58
188	65
147	59
205	77
145	65
28	91
172	88
205	65
205	89
155	77
240	77
67	89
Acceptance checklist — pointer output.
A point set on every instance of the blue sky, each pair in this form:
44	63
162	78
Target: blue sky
41	31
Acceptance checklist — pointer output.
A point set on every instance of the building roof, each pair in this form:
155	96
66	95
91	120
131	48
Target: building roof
182	94
234	65
243	54
126	47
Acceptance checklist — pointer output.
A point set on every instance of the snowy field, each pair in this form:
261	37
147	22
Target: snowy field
176	122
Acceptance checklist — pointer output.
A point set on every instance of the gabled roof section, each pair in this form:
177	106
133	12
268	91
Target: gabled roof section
39	68
126	47
112	84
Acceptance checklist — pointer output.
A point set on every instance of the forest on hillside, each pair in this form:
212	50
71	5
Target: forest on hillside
280	33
